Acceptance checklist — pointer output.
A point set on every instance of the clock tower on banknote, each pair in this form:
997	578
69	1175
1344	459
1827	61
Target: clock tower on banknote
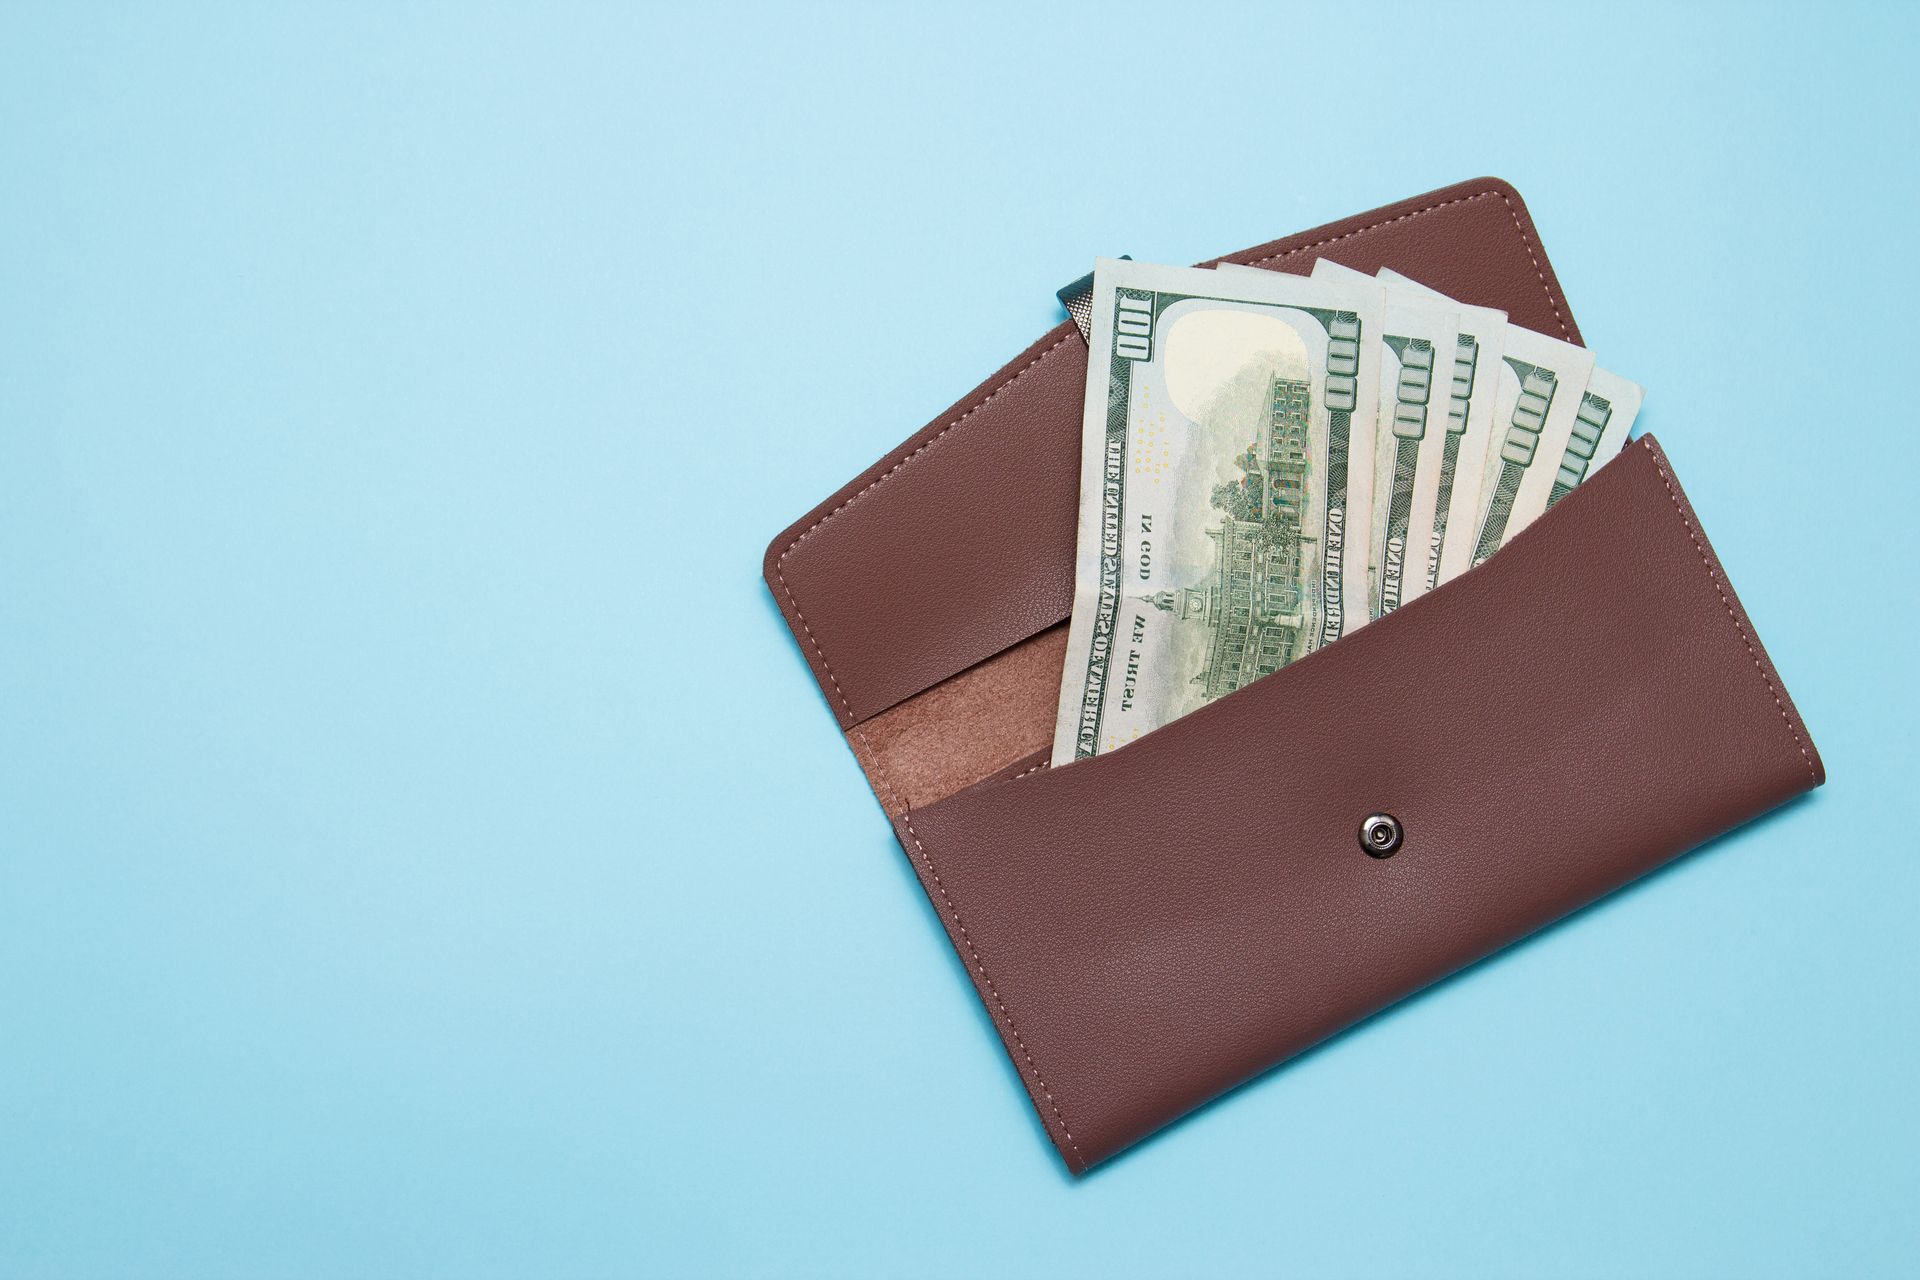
1252	601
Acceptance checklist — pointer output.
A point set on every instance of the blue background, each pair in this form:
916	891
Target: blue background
425	851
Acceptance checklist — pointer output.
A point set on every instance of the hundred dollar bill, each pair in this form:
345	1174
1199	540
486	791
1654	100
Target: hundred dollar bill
1418	337
1218	491
1535	402
1456	481
1607	410
1409	437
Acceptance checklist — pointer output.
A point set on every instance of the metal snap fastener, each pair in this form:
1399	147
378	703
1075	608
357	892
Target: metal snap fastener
1380	835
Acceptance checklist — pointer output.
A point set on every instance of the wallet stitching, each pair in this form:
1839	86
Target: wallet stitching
960	927
1746	637
809	531
846	707
1525	240
827	667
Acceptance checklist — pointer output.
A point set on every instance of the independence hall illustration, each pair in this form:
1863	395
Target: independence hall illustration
1253	604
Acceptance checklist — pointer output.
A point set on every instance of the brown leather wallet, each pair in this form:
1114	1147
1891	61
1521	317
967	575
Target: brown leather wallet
1150	928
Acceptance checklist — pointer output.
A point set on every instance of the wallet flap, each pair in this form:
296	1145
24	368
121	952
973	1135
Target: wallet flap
1149	928
959	544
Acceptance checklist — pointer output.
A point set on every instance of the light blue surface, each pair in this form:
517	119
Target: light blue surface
424	849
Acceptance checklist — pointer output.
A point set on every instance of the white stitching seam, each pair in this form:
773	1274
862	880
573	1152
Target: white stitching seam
960	927
808	532
1746	637
1525	239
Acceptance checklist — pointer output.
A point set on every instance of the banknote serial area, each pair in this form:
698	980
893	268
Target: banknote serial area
1271	461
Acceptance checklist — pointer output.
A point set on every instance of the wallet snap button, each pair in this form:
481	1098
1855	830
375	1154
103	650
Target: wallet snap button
1380	835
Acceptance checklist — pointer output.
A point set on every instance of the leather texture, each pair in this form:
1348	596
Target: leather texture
1150	928
960	543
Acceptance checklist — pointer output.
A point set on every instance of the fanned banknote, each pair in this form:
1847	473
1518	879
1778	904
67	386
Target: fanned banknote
1535	404
1226	454
1607	410
1417	339
1456	481
1414	337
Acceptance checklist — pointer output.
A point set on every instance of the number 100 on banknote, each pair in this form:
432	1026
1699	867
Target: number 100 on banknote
1229	445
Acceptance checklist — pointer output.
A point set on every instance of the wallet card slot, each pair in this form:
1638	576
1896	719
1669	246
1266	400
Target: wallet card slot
1152	927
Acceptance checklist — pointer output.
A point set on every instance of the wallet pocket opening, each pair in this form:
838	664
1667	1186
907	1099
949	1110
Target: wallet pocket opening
991	722
958	546
1152	927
